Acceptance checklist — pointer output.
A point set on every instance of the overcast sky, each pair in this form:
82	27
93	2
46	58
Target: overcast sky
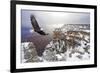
49	20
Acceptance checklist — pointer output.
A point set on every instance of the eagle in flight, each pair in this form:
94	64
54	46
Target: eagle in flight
36	26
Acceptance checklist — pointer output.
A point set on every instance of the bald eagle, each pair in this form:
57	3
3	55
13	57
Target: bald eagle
36	26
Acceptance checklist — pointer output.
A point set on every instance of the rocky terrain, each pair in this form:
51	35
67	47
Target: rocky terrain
67	44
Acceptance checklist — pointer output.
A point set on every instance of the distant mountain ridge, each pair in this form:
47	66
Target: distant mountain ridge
76	27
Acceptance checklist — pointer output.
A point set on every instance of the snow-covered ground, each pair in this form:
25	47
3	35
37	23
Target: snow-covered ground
52	54
69	45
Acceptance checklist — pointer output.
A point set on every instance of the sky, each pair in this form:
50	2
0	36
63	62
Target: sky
48	20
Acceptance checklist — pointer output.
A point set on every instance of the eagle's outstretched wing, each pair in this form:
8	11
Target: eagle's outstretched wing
36	26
